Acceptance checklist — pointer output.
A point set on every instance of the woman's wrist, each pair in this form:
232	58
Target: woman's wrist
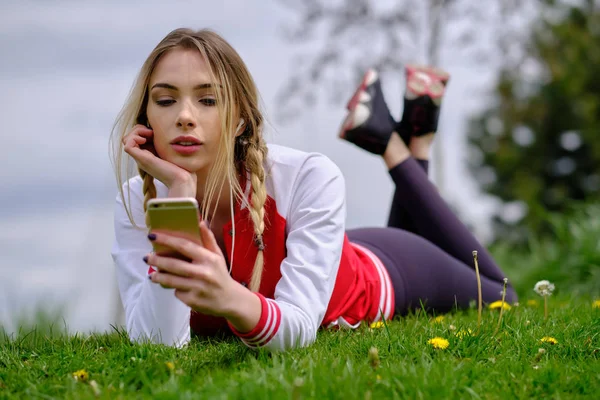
183	188
244	309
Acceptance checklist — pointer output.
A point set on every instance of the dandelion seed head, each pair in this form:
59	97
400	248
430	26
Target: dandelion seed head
544	288
95	388
298	381
374	357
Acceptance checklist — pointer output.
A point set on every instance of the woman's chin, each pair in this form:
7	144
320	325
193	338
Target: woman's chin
189	165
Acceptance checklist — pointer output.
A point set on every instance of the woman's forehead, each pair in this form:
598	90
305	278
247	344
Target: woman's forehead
181	67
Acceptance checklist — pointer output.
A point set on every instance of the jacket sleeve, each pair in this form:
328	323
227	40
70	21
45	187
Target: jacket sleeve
151	312
316	229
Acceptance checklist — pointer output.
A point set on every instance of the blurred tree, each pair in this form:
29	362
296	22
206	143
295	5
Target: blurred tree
353	35
537	147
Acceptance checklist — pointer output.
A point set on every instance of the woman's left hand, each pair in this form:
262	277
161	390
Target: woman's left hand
203	282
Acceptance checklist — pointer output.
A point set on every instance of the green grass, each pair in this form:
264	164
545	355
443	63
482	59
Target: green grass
508	365
40	362
569	256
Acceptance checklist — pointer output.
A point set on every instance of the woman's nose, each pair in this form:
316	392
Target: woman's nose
186	117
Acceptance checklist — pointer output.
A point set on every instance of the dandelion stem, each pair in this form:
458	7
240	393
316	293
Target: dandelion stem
545	307
479	296
501	306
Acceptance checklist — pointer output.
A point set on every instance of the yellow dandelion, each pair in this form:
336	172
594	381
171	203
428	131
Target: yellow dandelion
81	375
376	325
548	339
170	365
439	343
462	333
438	319
378	377
498	304
596	304
532	303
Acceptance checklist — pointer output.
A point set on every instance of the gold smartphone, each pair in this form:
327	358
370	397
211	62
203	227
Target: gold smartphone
177	215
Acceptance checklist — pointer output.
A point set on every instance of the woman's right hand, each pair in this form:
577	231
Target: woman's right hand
139	144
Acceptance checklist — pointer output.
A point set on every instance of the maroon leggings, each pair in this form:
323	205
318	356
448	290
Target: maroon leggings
427	250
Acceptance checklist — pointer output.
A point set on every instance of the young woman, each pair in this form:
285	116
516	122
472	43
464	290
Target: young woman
276	263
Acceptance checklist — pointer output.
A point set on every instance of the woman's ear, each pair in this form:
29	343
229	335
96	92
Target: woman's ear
240	128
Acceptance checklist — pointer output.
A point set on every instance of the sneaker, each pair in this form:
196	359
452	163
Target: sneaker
425	88
369	124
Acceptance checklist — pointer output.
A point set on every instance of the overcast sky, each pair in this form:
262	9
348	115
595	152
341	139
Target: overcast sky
66	69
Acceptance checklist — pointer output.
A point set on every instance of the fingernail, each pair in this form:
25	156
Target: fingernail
152	236
145	259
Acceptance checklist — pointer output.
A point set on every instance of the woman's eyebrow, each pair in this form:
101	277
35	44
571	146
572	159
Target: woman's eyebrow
171	87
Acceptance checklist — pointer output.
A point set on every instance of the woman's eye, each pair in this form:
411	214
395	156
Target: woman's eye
208	101
164	103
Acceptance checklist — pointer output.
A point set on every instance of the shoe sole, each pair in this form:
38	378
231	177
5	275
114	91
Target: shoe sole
434	72
369	78
426	81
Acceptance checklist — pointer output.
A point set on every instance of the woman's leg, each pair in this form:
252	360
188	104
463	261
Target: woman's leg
369	125
399	217
431	216
423	274
425	87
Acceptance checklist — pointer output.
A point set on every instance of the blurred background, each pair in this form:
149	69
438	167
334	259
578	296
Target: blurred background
516	154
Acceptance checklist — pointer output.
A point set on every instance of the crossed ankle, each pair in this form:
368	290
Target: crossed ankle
420	146
396	151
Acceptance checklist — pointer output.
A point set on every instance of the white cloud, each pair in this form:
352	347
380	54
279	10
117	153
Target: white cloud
130	17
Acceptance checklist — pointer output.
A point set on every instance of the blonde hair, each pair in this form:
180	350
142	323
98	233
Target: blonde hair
236	156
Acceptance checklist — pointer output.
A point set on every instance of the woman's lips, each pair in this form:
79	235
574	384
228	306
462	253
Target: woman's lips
186	149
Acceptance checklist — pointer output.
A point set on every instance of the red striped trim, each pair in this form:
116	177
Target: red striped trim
387	296
267	326
271	327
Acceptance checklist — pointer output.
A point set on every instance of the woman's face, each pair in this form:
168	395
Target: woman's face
182	110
